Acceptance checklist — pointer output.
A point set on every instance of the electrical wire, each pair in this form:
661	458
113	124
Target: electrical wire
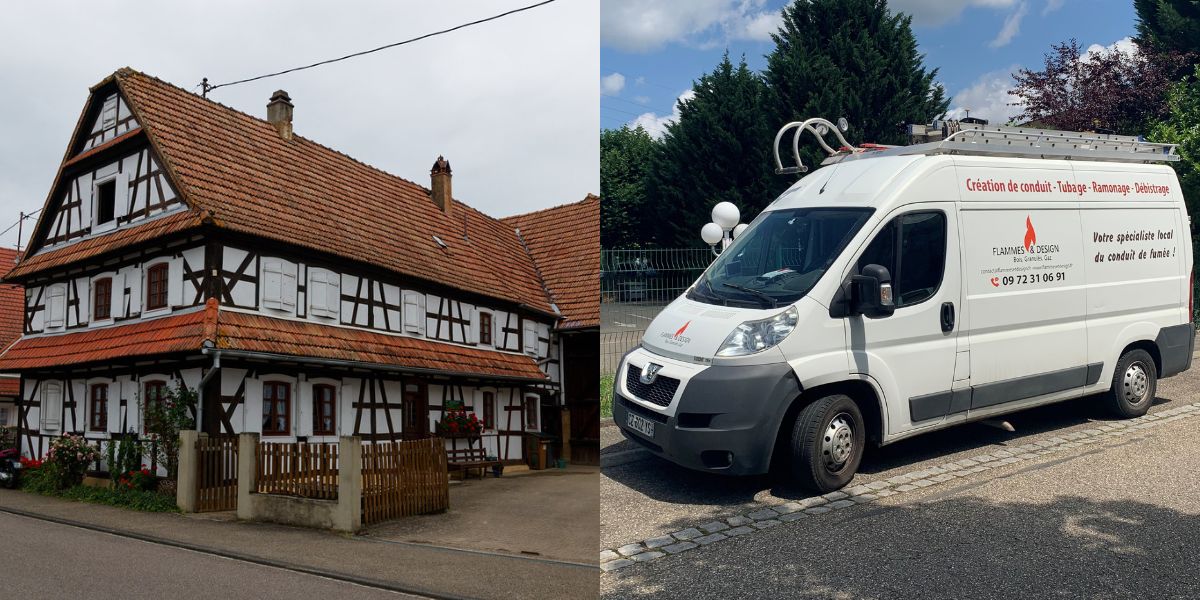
23	218
208	88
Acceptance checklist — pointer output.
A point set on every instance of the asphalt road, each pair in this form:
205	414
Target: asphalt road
1114	519
39	559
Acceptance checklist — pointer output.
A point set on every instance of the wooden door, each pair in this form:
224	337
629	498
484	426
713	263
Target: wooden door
415	409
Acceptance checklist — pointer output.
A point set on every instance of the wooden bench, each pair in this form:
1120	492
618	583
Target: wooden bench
466	459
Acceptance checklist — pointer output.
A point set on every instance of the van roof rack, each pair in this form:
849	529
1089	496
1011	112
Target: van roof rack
956	137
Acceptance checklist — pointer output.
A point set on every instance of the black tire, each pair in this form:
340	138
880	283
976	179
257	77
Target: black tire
1135	381
814	435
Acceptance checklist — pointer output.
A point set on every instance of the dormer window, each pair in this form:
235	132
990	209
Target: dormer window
106	202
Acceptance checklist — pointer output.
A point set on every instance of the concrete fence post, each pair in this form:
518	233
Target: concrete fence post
348	516
189	470
247	466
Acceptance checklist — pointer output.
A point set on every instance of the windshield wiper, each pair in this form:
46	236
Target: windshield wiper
711	294
771	303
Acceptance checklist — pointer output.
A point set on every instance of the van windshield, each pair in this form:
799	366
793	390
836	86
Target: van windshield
780	257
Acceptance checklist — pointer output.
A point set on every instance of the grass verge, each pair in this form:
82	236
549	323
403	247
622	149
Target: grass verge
606	396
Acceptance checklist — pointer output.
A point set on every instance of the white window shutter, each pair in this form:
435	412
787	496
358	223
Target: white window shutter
175	282
333	296
272	284
473	330
414	312
317	294
288	291
56	305
51	406
530	334
118	296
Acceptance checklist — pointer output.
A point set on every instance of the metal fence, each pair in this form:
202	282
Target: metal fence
634	286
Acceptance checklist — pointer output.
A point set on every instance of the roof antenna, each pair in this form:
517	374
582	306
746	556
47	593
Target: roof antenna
204	87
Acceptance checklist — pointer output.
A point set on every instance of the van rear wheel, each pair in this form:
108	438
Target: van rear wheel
827	443
1134	383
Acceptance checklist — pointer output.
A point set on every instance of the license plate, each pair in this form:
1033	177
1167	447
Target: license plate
640	424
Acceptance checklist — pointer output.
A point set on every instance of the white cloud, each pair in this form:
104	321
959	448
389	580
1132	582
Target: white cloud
1124	45
641	80
1011	27
656	125
397	109
987	98
646	25
612	84
933	13
1052	5
642	99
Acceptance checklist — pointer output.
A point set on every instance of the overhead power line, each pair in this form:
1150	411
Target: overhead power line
206	87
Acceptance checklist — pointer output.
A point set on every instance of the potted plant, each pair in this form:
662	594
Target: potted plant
457	423
498	467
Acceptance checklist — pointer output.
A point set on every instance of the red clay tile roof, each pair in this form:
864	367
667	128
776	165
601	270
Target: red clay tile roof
257	333
10	387
297	191
176	333
565	244
12	302
230	330
122	238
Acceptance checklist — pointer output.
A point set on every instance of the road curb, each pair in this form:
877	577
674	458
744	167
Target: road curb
768	515
334	575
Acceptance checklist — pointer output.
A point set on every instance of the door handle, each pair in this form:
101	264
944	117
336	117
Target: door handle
947	316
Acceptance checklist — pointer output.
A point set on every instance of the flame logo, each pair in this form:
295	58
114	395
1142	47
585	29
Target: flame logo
682	329
1030	234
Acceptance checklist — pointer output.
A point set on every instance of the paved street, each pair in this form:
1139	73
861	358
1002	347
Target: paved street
1072	504
39	559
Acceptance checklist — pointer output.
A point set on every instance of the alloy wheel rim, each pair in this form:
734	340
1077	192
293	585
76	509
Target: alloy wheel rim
837	442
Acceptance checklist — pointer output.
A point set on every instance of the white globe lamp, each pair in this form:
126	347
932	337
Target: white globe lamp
711	233
726	215
739	229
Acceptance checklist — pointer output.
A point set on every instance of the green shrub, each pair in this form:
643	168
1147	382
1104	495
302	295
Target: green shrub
606	395
142	500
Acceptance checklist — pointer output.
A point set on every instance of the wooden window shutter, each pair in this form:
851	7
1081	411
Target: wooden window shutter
414	312
324	299
56	305
531	340
272	283
175	282
288	289
51	405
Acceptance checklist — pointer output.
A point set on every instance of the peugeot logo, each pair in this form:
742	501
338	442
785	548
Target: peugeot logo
650	373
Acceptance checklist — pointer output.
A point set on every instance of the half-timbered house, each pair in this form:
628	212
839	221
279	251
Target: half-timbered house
302	293
12	301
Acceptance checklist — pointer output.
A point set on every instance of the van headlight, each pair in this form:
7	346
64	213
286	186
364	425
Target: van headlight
756	336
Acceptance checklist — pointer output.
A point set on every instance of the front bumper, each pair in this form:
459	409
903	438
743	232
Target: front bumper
723	419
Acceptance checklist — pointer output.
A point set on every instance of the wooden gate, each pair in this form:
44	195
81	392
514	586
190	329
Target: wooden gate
216	481
400	479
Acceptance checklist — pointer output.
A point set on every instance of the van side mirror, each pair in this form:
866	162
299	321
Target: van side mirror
871	292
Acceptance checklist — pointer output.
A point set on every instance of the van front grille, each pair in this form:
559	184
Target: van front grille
659	393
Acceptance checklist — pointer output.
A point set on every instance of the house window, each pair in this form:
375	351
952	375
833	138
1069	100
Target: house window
51	405
324	410
106	202
98	407
56	305
108	115
156	286
102	299
324	298
3	416
485	328
153	393
277	408
531	413
489	410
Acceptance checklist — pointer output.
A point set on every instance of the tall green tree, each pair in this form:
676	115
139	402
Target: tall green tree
718	150
1182	127
625	156
854	59
1168	26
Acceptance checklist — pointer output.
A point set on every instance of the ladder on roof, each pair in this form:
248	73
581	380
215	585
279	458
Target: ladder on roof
953	137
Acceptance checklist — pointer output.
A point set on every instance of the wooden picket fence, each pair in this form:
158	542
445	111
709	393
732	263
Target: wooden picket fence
299	469
401	479
216	482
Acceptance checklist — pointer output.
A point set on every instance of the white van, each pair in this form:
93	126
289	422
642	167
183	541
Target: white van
903	290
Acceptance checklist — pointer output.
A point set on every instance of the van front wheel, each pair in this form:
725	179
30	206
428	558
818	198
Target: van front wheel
1134	384
827	443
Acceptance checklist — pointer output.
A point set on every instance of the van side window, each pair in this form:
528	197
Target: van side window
919	241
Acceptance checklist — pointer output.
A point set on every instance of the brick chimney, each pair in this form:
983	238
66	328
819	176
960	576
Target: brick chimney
279	113
439	185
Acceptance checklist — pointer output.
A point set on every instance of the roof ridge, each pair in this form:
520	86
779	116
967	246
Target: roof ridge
588	198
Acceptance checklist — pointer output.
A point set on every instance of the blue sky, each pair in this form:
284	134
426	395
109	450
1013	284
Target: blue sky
652	50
